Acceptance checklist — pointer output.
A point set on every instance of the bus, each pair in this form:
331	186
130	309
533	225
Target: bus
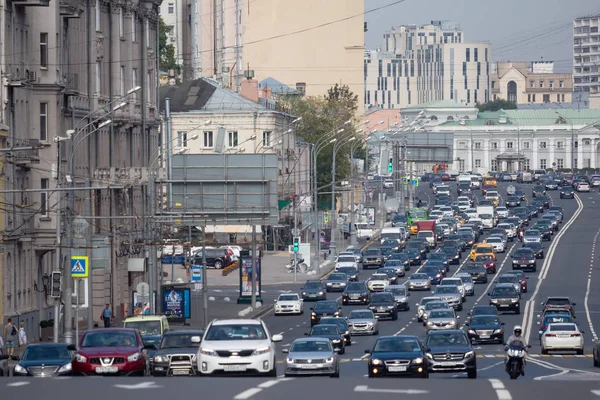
416	214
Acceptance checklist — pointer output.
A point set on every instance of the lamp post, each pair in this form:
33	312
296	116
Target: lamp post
353	146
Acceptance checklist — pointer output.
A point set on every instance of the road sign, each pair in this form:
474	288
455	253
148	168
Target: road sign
326	217
79	267
196	273
415	181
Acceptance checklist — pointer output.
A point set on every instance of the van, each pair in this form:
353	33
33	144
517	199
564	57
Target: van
151	327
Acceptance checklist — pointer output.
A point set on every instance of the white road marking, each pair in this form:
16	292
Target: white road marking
365	388
596	392
17	384
141	385
246	394
563	372
490	366
501	391
268	384
364	357
529	307
587	291
485	292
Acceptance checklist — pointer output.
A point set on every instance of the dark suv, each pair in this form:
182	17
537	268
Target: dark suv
505	297
373	258
215	258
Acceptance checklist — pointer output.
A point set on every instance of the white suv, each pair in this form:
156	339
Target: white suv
237	345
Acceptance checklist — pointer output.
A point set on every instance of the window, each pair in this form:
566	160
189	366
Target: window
541	84
494	145
182	139
529	98
171	8
43	121
478	145
531	84
148	85
468	55
134	82
542	163
267	139
546	98
509	145
560	145
542	145
122	81
476	54
560	163
44	184
133	24
121	22
44	49
98	15
551	84
462	145
98	77
477	163
147	29
576	144
493	84
533	98
233	138
526	145
526	164
208	139
494	165
461	165
561	84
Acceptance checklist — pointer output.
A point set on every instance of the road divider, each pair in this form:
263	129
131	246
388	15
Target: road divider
588	289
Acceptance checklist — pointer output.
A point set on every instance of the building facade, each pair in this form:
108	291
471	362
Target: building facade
172	14
586	54
523	84
422	63
68	80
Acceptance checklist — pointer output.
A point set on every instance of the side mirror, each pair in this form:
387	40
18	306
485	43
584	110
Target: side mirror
306	334
71	347
466	324
150	347
573	304
367	351
15	358
502	323
277	338
311	309
542	303
489	294
582	332
196	339
285	351
377	317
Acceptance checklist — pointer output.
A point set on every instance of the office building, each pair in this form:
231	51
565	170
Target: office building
586	54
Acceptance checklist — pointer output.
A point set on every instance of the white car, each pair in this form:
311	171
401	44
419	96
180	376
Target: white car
562	336
289	303
471	213
510	229
237	345
502	212
461	199
388	183
378	282
436	215
447	211
583	187
467	281
497	242
346	260
446	229
464	205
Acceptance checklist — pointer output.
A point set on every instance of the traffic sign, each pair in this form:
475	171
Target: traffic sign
326	217
196	273
79	267
415	181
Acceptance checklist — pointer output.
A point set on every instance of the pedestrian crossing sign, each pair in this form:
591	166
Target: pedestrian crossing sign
79	267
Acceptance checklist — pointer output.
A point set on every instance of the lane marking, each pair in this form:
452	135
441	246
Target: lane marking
17	384
494	276
490	366
268	384
588	289
501	391
540	378
529	307
246	394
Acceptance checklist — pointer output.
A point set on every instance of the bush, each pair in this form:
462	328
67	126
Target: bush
230	268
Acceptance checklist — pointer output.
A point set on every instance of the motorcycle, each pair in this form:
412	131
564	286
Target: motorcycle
515	363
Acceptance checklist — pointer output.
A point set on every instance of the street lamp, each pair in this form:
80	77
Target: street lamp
353	146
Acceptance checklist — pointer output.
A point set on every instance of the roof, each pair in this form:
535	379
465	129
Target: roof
184	332
438	104
144	318
533	117
219	322
276	86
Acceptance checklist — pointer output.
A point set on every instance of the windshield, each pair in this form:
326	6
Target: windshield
419	277
483	250
326	306
446	290
288	297
305	346
441	314
346	259
397	291
435	305
374	252
508	279
236	332
337	277
360	314
379	277
390	236
558	302
40	353
556	319
563	327
313	285
176	340
339	322
325	330
491	310
504	291
447	339
356	286
532	233
362	226
438	256
466	279
146	328
381	298
485	320
426	301
109	339
451	282
425	234
397	345
348	270
525	252
485	216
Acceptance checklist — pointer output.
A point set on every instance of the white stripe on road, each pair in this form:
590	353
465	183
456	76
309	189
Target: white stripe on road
587	291
501	391
246	394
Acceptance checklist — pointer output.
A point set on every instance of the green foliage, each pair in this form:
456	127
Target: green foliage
497	105
168	59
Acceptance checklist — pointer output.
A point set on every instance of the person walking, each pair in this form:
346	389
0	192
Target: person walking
106	316
10	332
22	335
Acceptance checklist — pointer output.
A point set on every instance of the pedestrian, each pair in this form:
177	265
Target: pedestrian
106	316
22	335
10	332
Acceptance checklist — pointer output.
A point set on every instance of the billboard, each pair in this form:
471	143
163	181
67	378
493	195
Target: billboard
245	296
426	147
371	215
176	303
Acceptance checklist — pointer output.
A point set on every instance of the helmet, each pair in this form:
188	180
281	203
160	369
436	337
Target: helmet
517	329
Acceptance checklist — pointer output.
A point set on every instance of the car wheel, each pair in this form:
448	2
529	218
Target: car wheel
580	352
273	372
336	374
517	312
544	351
218	264
472	373
395	317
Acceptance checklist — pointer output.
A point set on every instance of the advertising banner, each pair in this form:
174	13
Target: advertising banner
371	215
176	303
247	277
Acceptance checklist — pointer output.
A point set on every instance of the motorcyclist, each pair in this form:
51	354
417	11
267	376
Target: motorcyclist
516	339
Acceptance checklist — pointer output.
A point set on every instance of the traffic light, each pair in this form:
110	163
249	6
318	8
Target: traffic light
56	284
390	166
296	244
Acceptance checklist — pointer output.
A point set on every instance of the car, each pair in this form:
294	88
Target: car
383	305
538	190
397	355
442	319
111	351
453	251
502	212
521	277
497	243
440	257
378	282
482	310
532	236
537	248
401	294
414	256
150	327
560	302
435	273
342	324
363	322
513	201
485	329
351	273
450	294
44	360
510	279
582	187
176	354
479	270
419	281
288	303
563	336
322	309
401	258
431	306
214	258
373	257
345	260
567	192
313	291
524	258
331	332
391	274
356	292
456	345
505	297
423	303
455	281
467	281
551	318
336	282
219	352
356	252
302	354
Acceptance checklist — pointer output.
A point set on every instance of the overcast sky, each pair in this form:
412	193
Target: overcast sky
519	30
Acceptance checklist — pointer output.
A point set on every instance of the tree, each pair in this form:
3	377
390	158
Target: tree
497	105
166	51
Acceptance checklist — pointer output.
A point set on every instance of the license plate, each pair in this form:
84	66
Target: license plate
563	336
504	305
181	372
484	336
447	364
234	368
311	366
106	370
397	369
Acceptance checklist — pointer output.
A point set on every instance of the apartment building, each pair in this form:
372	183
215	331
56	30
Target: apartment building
172	13
533	83
586	54
71	73
422	63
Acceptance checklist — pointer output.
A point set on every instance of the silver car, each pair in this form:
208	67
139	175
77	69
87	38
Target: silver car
455	281
419	282
512	279
312	356
451	295
434	305
442	319
363	322
532	236
422	304
467	281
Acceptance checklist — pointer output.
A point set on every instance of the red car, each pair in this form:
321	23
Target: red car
560	302
522	279
488	262
111	351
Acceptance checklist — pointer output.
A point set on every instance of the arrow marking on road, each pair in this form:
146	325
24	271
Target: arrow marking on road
141	385
364	388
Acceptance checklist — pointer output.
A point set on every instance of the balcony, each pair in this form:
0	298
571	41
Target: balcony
17	75
71	83
70	9
32	3
26	157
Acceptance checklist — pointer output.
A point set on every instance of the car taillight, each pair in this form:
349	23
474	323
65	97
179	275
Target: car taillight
229	252
544	326
550	335
575	335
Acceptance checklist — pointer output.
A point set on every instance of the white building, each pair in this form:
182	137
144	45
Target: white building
172	13
586	54
419	64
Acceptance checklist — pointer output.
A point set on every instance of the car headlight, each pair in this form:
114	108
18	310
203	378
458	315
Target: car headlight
329	360
390	307
336	341
498	331
469	354
262	350
452	322
160	359
208	352
430	323
20	369
65	368
134	357
494	301
429	356
328	283
289	360
472	332
303	293
376	362
417	360
80	358
320	293
514	300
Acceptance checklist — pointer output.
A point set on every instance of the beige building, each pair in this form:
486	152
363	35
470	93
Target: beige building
530	84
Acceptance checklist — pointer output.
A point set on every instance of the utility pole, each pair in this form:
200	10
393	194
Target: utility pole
353	239
315	185
204	277
58	253
295	233
253	265
332	217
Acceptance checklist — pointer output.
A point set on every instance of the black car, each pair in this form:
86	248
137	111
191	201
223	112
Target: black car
383	305
538	190
414	256
336	282
567	192
313	291
324	308
435	274
331	332
215	258
387	252
392	244
537	248
513	201
356	292
398	355
482	310
485	329
440	256
391	274
524	258
520	193
453	251
418	246
457	239
402	257
399	220
450	351
351	273
373	258
505	297
45	360
342	324
176	355
401	294
545	200
545	229
477	271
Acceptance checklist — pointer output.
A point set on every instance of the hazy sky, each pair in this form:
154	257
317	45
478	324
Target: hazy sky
519	30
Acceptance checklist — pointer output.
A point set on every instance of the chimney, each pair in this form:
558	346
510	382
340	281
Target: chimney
249	89
266	93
